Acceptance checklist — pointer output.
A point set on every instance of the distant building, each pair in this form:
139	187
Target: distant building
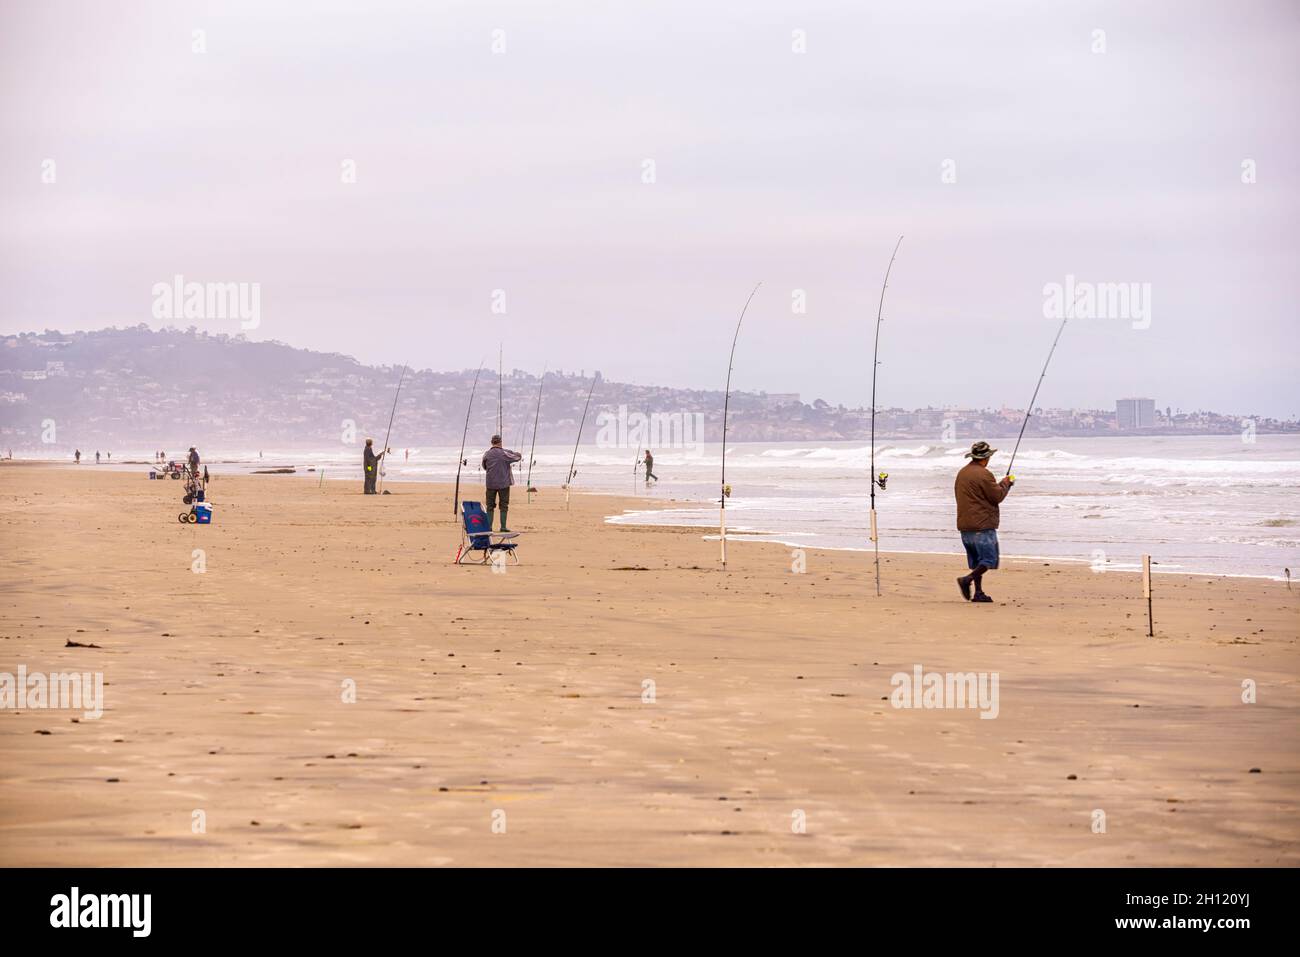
775	400
1135	413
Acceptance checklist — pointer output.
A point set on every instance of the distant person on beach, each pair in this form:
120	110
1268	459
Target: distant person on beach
194	461
77	456
371	461
110	456
96	456
500	476
650	467
978	495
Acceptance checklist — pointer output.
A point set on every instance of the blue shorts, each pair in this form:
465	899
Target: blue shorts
981	548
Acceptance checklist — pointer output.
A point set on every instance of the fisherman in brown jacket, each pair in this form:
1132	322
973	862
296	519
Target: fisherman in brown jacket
978	495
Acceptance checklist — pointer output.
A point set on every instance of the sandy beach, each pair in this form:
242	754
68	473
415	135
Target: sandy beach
510	718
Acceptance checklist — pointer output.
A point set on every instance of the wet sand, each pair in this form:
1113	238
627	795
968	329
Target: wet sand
506	718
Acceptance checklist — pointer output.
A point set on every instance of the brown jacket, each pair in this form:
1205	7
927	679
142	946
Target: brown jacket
978	494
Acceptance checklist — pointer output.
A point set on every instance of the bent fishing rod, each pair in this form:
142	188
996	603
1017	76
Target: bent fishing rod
573	471
528	482
389	433
1030	411
726	404
455	496
875	366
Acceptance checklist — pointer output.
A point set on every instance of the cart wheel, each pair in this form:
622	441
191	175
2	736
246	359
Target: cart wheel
176	475
183	517
192	518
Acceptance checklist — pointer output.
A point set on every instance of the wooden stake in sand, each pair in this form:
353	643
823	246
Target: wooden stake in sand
875	365
1146	592
726	404
572	470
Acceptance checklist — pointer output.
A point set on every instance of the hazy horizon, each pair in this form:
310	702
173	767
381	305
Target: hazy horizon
515	161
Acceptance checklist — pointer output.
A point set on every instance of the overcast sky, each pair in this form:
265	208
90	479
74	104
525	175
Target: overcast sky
524	171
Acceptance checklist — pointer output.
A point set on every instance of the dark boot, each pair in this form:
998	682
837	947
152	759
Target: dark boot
964	584
504	510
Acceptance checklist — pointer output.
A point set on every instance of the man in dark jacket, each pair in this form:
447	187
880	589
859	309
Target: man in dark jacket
500	476
978	495
371	461
194	462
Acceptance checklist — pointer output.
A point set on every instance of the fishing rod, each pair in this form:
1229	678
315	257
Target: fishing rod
536	414
1030	411
574	461
635	465
875	366
455	497
389	433
523	434
726	404
500	388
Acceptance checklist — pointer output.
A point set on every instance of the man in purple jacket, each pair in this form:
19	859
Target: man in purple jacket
500	476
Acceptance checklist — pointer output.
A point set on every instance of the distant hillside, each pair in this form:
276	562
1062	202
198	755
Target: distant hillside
140	388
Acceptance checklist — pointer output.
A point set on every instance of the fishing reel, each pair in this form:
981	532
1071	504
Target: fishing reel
881	479
726	491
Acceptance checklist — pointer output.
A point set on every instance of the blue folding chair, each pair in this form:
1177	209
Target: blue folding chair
477	537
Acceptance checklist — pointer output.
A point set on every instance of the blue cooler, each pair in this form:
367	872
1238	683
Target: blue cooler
204	513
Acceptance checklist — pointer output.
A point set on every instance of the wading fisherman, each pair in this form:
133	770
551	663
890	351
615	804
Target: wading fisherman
650	467
978	495
194	462
372	466
500	476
